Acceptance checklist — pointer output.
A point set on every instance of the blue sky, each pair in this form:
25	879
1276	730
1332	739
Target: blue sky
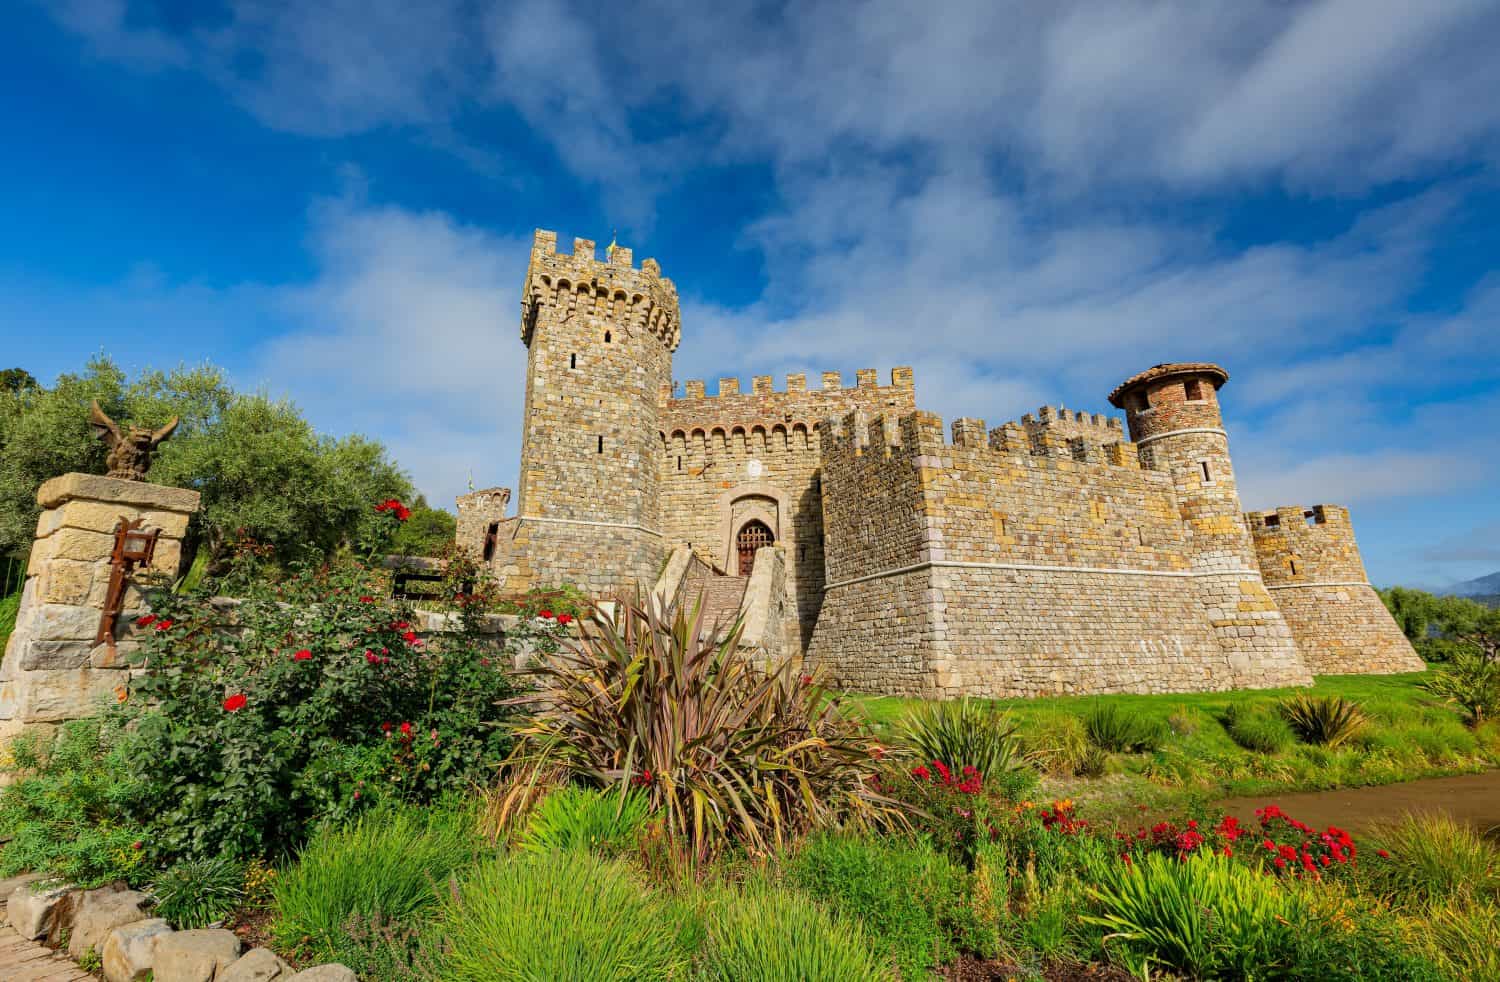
1026	202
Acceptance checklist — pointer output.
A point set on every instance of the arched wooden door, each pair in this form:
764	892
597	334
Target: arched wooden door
751	537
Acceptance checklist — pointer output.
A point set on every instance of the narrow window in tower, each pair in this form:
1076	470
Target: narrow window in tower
1195	390
606	337
679	463
1292	563
1311	518
573	361
601	445
1273	521
491	536
1206	475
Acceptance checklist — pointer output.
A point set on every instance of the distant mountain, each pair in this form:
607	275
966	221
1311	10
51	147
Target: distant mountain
1484	586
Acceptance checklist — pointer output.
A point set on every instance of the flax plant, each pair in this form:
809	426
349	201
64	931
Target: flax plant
724	749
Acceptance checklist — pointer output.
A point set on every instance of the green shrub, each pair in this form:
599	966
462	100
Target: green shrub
1342	937
560	917
1112	727
760	934
1326	721
1205	916
387	865
964	732
1256	729
1429	858
1472	682
333	705
584	818
196	892
912	900
71	812
9	607
724	751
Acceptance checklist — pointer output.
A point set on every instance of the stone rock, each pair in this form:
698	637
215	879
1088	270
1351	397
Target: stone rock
256	965
53	696
9	885
34	914
114	490
194	956
38	654
332	972
100	912
130	950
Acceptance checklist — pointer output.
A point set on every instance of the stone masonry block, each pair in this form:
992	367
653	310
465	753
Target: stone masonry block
130	950
93	487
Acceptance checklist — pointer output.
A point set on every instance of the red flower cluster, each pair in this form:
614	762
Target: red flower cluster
1309	851
971	782
1060	818
396	508
642	779
145	621
164	624
302	655
235	703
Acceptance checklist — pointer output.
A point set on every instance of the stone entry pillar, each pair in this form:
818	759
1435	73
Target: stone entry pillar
52	671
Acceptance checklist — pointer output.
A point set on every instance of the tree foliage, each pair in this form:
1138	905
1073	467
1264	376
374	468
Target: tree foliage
1444	628
263	471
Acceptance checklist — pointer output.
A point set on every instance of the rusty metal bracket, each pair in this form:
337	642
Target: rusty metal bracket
134	546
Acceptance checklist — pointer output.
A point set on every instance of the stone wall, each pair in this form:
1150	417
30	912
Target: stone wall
736	456
1314	572
52	670
480	515
1011	563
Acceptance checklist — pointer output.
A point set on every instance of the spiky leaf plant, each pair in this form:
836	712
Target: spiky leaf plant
964	732
1328	721
723	749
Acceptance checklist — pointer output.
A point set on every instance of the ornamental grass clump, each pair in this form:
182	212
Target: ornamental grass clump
1430	858
1326	721
1257	728
389	865
1111	727
196	892
1205	916
964	733
761	934
570	917
586	818
722	749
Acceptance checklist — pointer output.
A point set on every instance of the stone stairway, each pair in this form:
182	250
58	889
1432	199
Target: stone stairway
722	596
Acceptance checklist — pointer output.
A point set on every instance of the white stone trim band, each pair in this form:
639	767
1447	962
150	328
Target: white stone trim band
1195	429
577	521
953	564
1293	586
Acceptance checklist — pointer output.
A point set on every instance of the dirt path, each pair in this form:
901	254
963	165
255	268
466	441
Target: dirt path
1471	798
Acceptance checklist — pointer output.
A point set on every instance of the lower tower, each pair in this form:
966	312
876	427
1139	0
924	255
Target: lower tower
600	337
1173	414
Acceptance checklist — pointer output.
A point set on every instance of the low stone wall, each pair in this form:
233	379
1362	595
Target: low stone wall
1344	629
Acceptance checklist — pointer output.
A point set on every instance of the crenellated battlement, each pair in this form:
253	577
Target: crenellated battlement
922	434
578	282
866	379
1295	544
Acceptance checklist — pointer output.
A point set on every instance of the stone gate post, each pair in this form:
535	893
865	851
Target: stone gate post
52	670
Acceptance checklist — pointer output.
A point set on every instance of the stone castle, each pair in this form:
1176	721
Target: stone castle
1047	555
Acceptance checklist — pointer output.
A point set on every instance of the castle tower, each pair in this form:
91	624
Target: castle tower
600	337
1173	414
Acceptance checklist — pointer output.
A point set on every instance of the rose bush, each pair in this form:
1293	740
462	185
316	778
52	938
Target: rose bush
311	697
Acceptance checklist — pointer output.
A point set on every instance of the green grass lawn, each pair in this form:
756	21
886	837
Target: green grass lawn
1410	734
8	607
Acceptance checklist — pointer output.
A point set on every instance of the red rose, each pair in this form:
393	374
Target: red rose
145	621
410	637
366	600
405	729
371	657
564	618
385	727
163	625
235	703
302	655
1382	854
545	615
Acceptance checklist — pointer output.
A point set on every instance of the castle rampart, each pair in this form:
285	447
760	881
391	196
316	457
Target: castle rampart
1025	571
1313	569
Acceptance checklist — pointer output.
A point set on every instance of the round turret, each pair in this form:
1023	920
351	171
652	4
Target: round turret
1171	398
